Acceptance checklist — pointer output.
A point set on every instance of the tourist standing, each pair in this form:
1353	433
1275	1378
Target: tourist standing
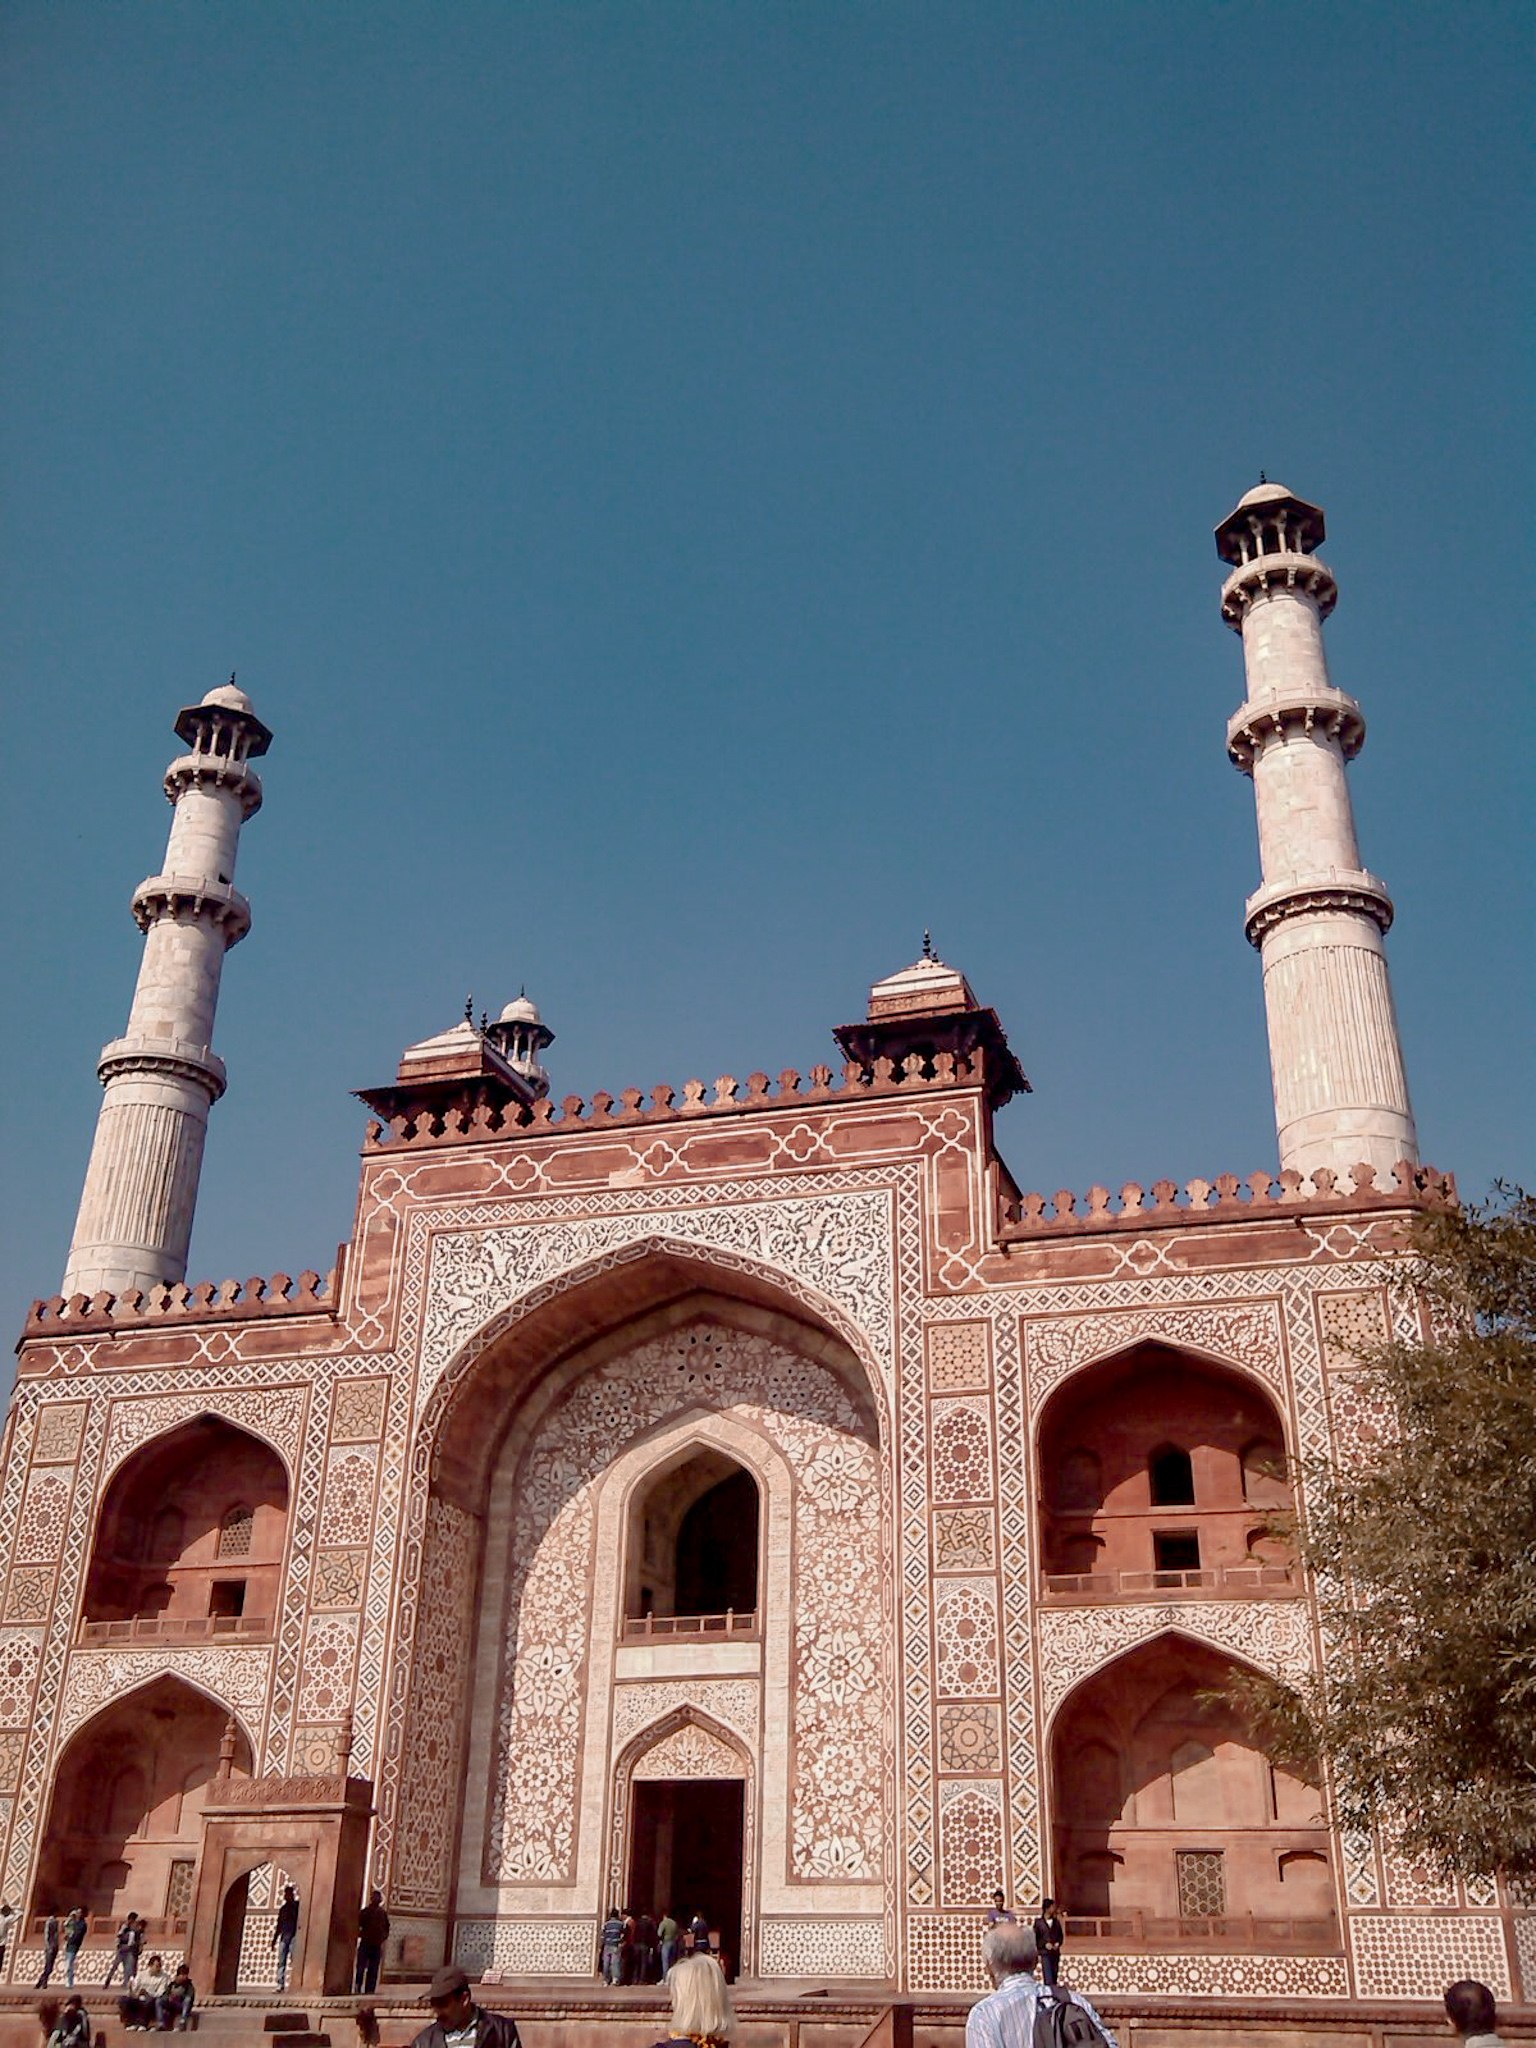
7	1922
999	1910
125	1956
698	1934
285	1933
50	1948
1049	1936
372	1933
610	1946
76	1927
666	1936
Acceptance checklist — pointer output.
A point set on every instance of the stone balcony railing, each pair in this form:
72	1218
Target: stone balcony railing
1227	1581
1224	1931
644	1628
178	1628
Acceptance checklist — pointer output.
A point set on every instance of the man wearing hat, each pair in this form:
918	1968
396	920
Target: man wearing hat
457	2022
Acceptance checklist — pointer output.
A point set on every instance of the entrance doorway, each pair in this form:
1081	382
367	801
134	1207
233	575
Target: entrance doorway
686	1854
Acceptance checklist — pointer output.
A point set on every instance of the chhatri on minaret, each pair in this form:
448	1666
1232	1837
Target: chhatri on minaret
1341	1092
162	1076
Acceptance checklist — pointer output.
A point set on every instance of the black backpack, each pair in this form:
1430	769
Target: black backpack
1059	2023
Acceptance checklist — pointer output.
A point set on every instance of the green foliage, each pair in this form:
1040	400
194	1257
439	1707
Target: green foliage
1423	1548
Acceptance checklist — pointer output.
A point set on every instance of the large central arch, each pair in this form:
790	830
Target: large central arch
531	1452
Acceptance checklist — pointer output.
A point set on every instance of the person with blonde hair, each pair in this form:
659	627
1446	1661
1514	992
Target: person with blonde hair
701	2005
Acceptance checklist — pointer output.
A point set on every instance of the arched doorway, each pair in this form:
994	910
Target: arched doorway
692	1548
1155	1471
189	1542
125	1818
686	1799
1172	1825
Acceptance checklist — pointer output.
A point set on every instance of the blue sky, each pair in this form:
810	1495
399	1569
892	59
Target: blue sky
701	493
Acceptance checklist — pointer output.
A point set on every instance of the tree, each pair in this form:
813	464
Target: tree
1422	1546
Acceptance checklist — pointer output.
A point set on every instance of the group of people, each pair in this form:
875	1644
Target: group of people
702	2016
1049	1933
69	1934
637	1948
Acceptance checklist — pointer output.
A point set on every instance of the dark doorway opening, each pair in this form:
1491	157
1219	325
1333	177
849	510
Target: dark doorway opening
717	1550
685	1855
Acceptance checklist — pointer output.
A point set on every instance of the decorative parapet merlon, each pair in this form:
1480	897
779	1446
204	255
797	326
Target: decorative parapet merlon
217	903
882	1078
1266	574
1226	1199
208	1301
1305	895
1327	711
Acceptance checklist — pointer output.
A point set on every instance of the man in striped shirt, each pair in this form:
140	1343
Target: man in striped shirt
1005	2018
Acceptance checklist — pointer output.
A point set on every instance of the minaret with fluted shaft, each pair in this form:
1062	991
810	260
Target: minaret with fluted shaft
162	1077
1341	1095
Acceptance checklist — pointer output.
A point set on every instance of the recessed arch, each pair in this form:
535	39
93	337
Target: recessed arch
160	1567
1146	1461
1199	1812
125	1802
603	1301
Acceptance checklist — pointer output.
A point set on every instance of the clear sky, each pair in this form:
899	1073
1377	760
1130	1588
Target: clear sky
701	492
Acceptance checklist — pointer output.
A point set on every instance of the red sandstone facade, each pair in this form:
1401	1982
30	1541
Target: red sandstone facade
1003	1465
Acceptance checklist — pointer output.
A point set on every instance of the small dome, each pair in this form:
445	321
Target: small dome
521	1011
1263	494
227	697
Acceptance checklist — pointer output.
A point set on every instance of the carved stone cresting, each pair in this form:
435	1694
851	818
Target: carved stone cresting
731	1701
1248	1335
837	1244
1274	1635
235	1678
274	1414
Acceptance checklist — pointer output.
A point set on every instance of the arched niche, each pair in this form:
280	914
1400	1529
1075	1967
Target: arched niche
1166	1808
521	1360
692	1541
190	1538
126	1805
1152	1466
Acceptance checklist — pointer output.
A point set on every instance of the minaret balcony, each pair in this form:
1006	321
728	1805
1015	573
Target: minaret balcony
219	904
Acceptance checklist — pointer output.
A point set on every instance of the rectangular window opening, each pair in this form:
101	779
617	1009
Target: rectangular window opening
1176	1550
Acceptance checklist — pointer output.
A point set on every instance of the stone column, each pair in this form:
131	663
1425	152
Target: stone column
162	1077
1341	1095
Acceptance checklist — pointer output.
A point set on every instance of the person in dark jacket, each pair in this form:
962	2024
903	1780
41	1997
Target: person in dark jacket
372	1933
73	2028
50	1948
285	1933
1049	1936
457	2022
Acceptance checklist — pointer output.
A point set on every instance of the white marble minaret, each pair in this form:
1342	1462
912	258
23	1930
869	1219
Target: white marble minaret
1341	1095
162	1078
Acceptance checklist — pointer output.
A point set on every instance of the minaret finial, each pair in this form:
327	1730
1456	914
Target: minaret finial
162	1077
469	1009
1263	479
927	943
